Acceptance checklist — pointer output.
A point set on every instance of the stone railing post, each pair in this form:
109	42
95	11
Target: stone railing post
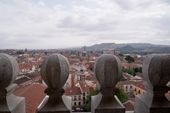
156	71
9	69
54	72
108	73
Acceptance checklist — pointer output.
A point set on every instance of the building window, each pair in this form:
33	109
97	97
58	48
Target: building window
83	94
75	103
74	97
130	87
139	92
84	98
79	103
79	97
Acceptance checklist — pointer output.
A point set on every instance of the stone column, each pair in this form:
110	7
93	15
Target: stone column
54	72
108	73
9	69
156	71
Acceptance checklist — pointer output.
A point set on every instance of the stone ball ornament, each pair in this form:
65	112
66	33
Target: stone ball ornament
156	70
55	71
9	69
108	70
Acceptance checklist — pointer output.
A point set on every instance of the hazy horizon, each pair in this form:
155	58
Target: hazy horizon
45	24
79	47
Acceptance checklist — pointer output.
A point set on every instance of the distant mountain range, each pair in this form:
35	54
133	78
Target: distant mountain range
131	47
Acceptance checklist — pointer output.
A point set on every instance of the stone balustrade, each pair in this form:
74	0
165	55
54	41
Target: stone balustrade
108	73
156	71
9	69
55	71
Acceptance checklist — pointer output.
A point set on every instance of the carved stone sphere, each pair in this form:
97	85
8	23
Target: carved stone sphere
55	71
156	69
108	70
9	69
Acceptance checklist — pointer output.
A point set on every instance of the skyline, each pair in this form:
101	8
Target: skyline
47	24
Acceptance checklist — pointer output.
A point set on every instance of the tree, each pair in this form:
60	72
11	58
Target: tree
138	70
129	59
130	71
121	94
87	106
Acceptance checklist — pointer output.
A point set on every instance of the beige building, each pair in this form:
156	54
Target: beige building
78	94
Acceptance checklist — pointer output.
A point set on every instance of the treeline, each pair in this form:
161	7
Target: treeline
132	71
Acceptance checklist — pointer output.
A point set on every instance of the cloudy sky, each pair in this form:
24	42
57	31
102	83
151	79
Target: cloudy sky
72	23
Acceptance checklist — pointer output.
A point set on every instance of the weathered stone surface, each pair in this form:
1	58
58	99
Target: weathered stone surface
46	107
156	70
108	73
54	71
95	101
9	69
108	70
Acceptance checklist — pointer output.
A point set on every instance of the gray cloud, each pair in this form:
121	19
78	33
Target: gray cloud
68	23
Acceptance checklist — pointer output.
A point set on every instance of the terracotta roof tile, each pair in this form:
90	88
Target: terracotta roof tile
25	66
84	87
33	94
73	91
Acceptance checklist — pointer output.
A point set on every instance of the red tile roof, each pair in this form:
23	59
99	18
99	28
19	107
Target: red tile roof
73	91
33	94
25	66
84	87
131	65
128	82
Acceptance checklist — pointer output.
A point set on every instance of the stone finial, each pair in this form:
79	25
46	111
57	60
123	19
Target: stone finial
108	70
108	73
156	71
54	71
9	69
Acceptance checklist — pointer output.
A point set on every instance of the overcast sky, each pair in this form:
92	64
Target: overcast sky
71	23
